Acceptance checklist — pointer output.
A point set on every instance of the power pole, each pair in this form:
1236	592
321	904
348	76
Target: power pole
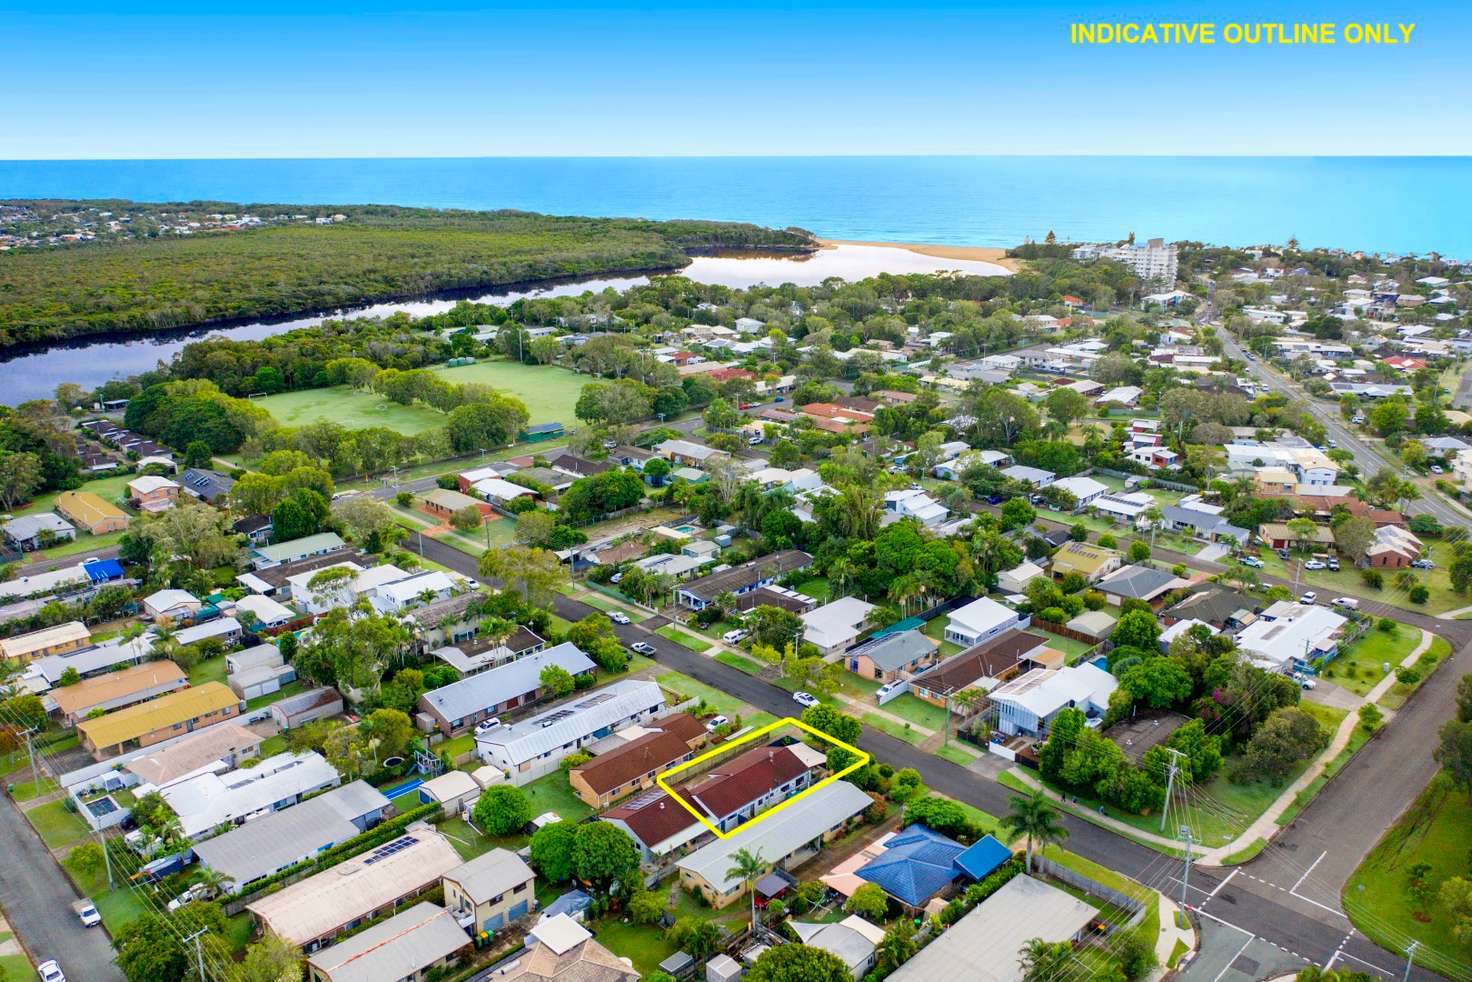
198	953
31	750
1186	879
1410	959
1170	783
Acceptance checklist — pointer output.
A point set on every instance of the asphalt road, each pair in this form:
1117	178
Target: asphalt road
1315	934
1369	458
37	898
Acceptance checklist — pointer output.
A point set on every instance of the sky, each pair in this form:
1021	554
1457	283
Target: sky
645	78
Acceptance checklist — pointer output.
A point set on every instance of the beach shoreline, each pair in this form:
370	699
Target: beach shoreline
987	254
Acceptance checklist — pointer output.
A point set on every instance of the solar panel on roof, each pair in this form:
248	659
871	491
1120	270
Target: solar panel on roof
385	851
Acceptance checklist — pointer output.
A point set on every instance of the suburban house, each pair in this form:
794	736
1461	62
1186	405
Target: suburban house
444	503
31	532
1084	489
852	941
277	581
1034	477
1214	604
656	823
737	580
1092	562
171	605
1393	548
737	790
223	745
984	945
208	486
981	620
258	671
277	841
834	627
897	655
455	707
1016	579
407	946
264	557
88	511
1288	636
981	667
918	864
147	723
58	639
1140	583
559	949
310	913
789	837
302	708
634	765
216	797
917	504
46	672
689	453
491	891
469	655
116	690
501	491
1201	521
1027	705
529	748
1154	458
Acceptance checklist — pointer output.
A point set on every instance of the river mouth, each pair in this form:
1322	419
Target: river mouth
34	372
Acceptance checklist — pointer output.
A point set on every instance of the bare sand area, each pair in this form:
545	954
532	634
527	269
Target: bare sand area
986	254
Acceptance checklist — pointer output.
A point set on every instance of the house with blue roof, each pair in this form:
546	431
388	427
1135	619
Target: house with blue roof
919	864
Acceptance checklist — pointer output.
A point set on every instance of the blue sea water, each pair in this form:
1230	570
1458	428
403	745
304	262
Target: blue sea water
1398	204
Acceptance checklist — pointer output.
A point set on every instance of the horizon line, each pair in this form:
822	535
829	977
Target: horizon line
754	156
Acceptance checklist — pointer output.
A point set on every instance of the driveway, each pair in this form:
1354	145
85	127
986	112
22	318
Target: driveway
1326	693
38	897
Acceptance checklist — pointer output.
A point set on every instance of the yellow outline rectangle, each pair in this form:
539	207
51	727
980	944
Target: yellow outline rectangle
863	758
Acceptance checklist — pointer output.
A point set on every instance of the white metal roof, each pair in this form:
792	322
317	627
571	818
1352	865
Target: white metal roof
573	720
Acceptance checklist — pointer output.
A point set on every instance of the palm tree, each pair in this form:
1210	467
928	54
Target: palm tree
1035	818
746	866
840	578
1043	959
1154	515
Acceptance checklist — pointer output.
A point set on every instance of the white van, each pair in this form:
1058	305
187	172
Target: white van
1347	603
735	637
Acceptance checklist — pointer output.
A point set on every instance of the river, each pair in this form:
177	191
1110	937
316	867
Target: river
36	373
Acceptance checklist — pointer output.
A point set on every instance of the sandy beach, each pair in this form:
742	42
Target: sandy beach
986	254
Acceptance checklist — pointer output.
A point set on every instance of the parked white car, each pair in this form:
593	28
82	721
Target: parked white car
1252	561
1347	603
619	617
735	637
486	726
642	648
87	913
50	971
715	723
1309	598
804	699
1315	564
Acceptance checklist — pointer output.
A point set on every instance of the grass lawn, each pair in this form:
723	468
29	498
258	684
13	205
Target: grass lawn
935	630
957	753
469	843
15	967
107	488
642	944
289	689
740	662
897	730
57	826
1430	658
119	907
471	543
462	744
552	793
1347	580
27	790
672	633
209	670
273	745
351	408
1072	648
817	588
1435	830
550	393
855	687
687	688
1360	666
917	711
638	663
238	930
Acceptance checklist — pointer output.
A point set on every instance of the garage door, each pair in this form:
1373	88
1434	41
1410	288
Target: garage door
519	911
493	923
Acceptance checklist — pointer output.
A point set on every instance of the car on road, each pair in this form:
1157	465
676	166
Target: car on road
1252	561
804	699
87	913
1347	603
1315	564
1437	469
619	617
486	726
1309	598
50	971
1423	564
1332	445
642	647
715	723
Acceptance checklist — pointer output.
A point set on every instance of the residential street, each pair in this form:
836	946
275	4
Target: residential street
1253	904
38	897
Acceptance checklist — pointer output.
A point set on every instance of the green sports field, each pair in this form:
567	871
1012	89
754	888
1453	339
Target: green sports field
550	393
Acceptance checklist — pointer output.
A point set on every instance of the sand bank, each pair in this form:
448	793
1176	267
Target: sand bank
986	254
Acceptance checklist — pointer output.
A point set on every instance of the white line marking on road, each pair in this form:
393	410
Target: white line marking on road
1217	889
1383	971
1228	967
1309	870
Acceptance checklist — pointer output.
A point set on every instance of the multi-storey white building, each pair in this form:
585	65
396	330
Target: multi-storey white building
1154	262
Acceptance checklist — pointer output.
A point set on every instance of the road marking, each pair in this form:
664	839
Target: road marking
1383	971
1309	870
1228	966
1214	892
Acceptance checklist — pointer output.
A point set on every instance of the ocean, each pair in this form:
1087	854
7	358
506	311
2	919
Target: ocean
1397	204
